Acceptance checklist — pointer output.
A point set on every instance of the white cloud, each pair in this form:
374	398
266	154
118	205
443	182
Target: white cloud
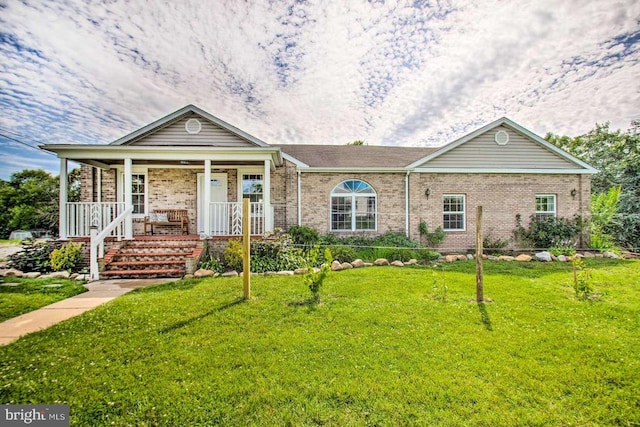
385	72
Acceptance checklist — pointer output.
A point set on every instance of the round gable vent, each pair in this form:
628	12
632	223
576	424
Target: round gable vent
193	126
501	137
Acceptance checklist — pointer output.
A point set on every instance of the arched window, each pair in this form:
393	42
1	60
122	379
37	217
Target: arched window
353	207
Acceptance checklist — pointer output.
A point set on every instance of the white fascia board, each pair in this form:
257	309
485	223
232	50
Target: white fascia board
352	170
295	161
506	171
113	152
170	118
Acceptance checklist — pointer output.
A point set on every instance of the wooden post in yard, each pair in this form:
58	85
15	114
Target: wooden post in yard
246	247
479	268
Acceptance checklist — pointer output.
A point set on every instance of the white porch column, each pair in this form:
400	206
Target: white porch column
128	198
63	198
206	197
266	197
99	186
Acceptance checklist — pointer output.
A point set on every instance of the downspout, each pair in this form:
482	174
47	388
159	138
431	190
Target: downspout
299	197
406	203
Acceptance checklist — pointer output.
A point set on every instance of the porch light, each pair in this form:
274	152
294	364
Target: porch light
573	193
427	193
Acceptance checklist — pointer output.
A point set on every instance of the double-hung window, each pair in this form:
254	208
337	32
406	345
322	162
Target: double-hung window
139	192
453	217
353	206
252	186
545	206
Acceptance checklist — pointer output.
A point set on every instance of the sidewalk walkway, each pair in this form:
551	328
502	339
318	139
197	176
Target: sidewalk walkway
99	292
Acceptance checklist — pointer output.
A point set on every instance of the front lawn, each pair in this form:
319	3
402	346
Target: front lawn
388	346
30	294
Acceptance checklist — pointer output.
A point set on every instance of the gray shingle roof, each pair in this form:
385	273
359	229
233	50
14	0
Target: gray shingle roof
349	156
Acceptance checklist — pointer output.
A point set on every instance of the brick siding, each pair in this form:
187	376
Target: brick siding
501	195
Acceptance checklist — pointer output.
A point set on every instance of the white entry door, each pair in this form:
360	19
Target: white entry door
217	186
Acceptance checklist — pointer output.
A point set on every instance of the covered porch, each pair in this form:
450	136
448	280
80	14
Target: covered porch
124	185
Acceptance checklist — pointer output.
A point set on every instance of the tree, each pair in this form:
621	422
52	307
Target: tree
29	200
356	142
616	155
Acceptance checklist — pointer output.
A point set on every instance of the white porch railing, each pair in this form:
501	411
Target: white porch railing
226	218
81	216
96	249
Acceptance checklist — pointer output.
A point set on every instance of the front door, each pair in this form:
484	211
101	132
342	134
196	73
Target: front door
217	186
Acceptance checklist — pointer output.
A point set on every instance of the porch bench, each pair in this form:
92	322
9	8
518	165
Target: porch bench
167	217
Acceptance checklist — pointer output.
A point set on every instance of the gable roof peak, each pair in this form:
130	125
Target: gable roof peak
176	115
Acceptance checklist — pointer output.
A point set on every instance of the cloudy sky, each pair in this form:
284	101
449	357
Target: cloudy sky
323	72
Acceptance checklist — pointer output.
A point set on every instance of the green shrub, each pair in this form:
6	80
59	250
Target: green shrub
233	255
566	250
304	236
433	238
494	245
275	253
35	256
427	255
604	207
315	278
399	254
344	253
548	232
213	264
68	257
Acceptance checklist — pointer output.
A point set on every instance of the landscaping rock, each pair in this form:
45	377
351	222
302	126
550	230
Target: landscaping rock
203	273
589	255
562	258
412	261
232	273
461	257
450	258
578	255
523	258
336	266
44	276
368	264
469	256
345	266
505	258
357	263
610	255
492	258
381	261
187	276
60	275
300	271
81	277
11	272
543	256
598	255
397	263
32	275
285	273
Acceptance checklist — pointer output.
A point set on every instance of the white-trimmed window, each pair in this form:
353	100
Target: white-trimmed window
353	207
252	186
139	192
453	212
545	206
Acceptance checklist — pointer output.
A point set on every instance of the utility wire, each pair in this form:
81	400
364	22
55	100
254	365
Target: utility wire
25	144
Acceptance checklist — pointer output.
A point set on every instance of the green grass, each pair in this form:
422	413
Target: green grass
384	348
31	294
